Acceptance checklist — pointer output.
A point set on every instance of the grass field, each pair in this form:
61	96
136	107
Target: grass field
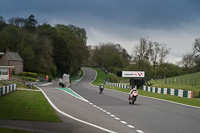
5	130
185	82
102	76
27	105
25	78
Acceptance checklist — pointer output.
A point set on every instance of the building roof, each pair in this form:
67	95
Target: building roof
6	67
15	56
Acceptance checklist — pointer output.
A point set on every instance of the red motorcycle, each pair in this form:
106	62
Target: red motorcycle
133	96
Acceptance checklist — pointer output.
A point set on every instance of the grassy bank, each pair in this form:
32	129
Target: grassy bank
27	105
186	82
101	76
5	130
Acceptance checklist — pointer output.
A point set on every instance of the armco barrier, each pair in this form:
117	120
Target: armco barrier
7	89
169	91
117	85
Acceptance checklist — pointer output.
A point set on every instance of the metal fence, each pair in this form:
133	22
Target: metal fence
194	82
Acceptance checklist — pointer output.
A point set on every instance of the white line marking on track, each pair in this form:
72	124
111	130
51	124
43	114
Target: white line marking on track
130	126
139	131
74	118
79	97
46	84
116	118
108	113
123	122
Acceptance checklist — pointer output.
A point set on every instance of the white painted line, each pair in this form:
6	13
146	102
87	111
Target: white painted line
171	102
139	131
116	118
104	110
108	113
67	115
46	84
123	122
100	109
152	98
130	126
80	97
112	115
95	105
91	103
27	89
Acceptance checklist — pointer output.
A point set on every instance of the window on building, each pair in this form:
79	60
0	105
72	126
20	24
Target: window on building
3	71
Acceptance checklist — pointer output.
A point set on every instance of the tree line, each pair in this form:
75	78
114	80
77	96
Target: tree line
148	56
44	48
62	49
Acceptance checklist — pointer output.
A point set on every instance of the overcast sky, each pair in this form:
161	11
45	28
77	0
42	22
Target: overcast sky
173	22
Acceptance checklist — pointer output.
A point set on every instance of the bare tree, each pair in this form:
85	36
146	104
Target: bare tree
150	51
17	21
164	51
196	47
141	51
2	20
188	60
154	52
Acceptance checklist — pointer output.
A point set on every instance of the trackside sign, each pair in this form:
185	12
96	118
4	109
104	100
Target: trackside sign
133	74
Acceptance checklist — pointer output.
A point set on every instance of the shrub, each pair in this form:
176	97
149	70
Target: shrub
113	70
28	74
113	78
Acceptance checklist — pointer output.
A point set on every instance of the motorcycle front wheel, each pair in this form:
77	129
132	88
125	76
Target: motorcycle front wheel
133	100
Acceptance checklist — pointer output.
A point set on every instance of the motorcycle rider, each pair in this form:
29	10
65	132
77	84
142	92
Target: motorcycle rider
132	91
101	87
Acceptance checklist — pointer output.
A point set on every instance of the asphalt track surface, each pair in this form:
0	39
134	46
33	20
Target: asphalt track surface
110	112
147	114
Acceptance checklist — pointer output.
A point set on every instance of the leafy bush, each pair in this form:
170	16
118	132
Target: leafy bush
113	70
113	78
28	74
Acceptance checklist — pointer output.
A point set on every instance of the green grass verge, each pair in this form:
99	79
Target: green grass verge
25	78
27	105
183	100
19	84
101	77
77	77
189	82
6	130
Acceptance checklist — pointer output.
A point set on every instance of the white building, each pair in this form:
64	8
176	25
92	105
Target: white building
5	72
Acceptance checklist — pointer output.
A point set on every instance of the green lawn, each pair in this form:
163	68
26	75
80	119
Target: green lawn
27	105
75	78
5	130
185	82
19	84
102	76
25	78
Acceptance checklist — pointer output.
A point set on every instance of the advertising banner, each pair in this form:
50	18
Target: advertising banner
133	74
